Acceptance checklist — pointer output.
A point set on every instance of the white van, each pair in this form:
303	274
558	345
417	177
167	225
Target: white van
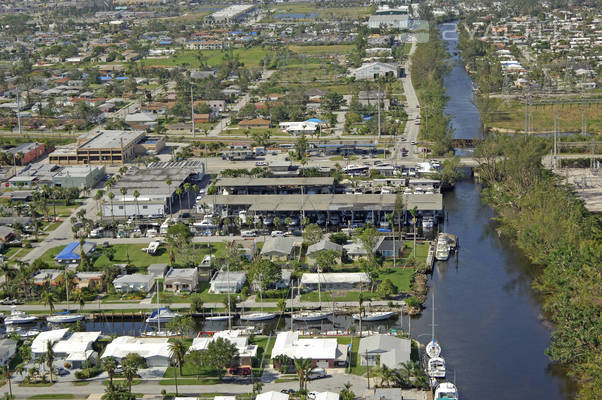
250	233
317	373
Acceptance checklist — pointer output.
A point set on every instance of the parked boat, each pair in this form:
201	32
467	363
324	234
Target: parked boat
309	316
160	316
18	317
436	367
219	318
258	316
428	223
64	317
374	316
442	248
446	391
433	349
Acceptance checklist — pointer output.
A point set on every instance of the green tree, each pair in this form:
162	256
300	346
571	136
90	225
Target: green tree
109	364
303	366
118	392
194	358
48	299
386	289
301	147
347	393
220	354
264	273
333	101
130	365
312	234
326	259
177	351
178	237
49	358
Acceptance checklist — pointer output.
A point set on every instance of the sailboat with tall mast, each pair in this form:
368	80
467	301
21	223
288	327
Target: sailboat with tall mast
160	314
433	349
64	317
261	315
318	315
228	317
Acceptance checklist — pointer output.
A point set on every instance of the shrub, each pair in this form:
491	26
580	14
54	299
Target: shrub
88	373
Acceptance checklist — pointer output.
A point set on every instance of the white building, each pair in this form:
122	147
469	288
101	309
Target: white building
324	352
272	396
39	344
230	15
373	70
335	280
384	349
154	350
134	283
228	282
77	349
299	128
394	21
246	351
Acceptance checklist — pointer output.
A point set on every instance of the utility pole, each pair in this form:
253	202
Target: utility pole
192	110
378	105
18	111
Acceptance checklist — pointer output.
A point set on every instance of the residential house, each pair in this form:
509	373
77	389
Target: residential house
89	279
383	349
181	279
141	120
324	353
254	123
157	270
47	275
387	247
77	349
323	245
71	253
278	248
335	280
8	349
155	351
272	396
246	351
6	234
228	281
134	283
39	344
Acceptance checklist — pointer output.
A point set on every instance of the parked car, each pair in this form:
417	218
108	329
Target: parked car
261	163
317	373
277	234
62	371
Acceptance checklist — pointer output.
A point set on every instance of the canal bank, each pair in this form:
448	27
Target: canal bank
488	319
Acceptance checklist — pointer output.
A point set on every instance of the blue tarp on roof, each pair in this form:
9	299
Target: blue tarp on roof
68	252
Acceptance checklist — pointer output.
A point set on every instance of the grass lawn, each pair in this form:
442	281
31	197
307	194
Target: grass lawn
52	226
356	369
511	115
251	57
322	49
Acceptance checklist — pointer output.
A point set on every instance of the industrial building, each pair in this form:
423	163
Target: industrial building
79	176
389	20
107	147
25	153
374	70
230	15
156	196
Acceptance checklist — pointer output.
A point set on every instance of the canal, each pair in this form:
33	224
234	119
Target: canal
488	319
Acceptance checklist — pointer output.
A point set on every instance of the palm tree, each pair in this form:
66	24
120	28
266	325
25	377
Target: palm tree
346	393
168	183
303	366
136	195
79	298
177	350
8	272
49	357
179	193
360	301
6	373
48	299
111	197
414	212
123	191
109	364
98	196
187	188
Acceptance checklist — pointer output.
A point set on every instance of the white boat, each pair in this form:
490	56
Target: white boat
64	317
309	316
219	318
161	315
18	317
446	391
436	367
433	349
441	250
30	333
374	316
258	316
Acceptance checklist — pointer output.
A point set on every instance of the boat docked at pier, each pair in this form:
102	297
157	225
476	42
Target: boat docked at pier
373	316
446	391
17	317
219	318
442	248
161	315
308	316
258	316
436	367
64	317
433	349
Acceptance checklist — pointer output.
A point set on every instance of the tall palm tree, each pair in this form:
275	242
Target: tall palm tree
187	187
179	193
136	195
414	212
49	356
109	364
111	197
303	366
360	301
48	299
123	191
98	196
168	183
8	272
177	350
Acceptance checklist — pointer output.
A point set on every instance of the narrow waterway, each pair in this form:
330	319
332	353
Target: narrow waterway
488	319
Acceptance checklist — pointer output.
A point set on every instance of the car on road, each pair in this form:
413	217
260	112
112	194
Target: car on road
62	371
290	392
250	233
413	143
261	163
277	234
317	373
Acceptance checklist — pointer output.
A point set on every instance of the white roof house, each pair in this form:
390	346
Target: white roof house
327	396
38	346
289	344
78	342
154	350
334	280
237	337
228	282
272	396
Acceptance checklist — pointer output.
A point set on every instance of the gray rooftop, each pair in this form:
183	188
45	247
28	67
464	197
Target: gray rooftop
247	181
112	139
278	245
324	244
392	350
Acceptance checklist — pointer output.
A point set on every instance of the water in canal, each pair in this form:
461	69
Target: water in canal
488	319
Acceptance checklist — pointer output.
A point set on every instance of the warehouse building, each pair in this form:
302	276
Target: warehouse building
374	70
248	185
230	15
